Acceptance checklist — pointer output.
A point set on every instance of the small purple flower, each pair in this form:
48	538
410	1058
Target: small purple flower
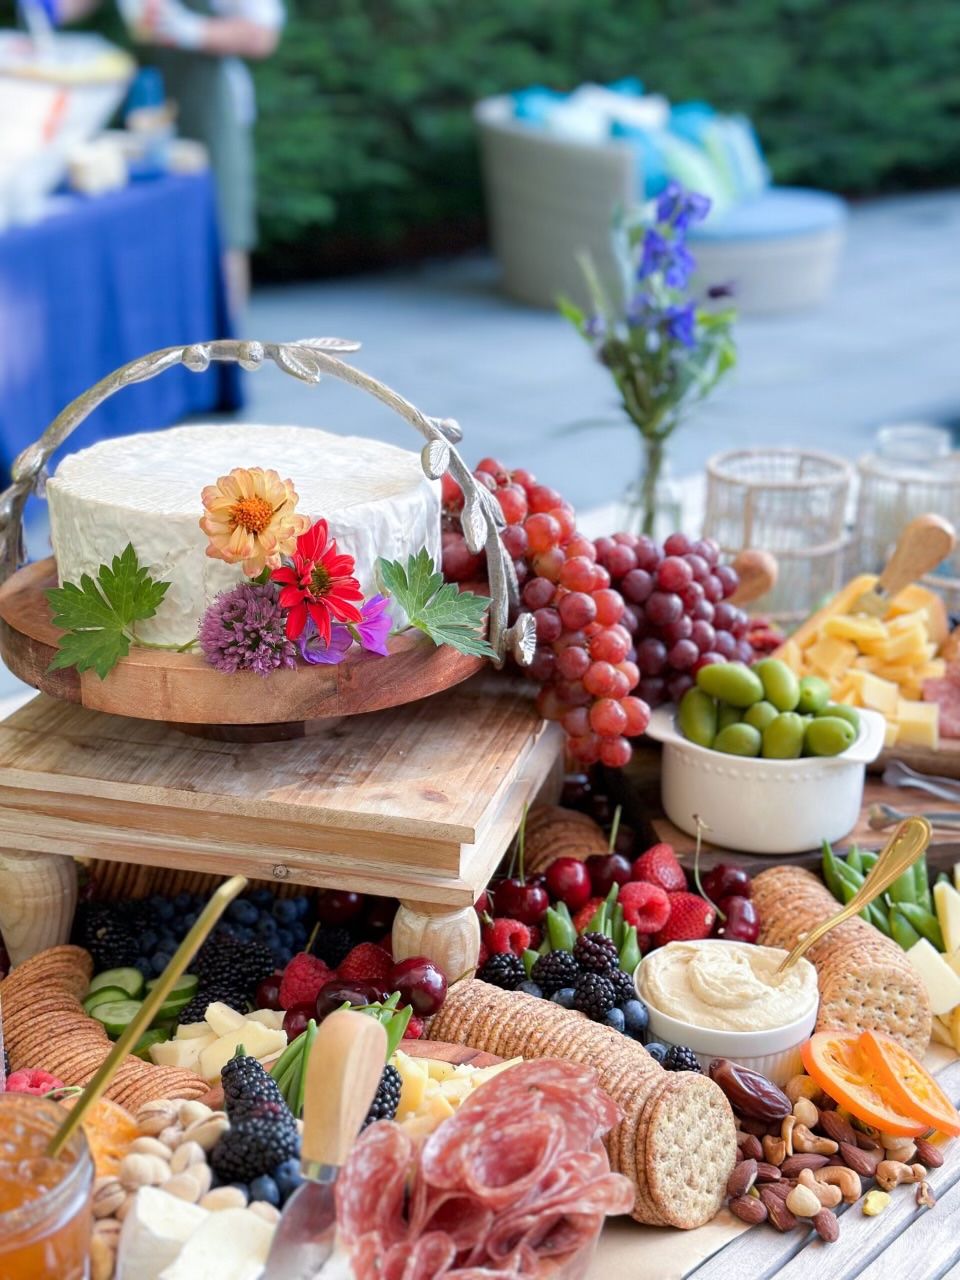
314	651
680	267
681	323
595	326
656	252
374	625
371	632
243	630
641	312
669	202
682	208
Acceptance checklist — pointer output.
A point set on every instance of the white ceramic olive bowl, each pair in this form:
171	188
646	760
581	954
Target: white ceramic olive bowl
763	806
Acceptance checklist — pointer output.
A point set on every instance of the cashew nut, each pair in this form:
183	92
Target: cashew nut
774	1149
806	1112
786	1132
809	1144
900	1149
891	1173
828	1196
846	1179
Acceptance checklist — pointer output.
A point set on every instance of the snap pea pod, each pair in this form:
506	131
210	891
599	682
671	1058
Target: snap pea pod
618	924
561	908
630	953
831	875
922	883
943	878
854	858
310	1035
904	934
560	931
609	904
904	888
868	860
529	959
925	923
851	881
285	1061
597	920
874	914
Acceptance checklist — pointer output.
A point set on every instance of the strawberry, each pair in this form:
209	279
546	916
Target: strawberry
690	917
414	1028
366	963
586	914
645	905
302	980
504	934
33	1082
659	865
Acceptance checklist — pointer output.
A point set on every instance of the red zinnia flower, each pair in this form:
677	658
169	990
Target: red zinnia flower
319	585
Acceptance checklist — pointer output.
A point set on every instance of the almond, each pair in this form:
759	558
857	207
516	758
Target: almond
929	1153
750	1147
863	1162
835	1127
793	1164
777	1211
767	1172
742	1179
748	1209
826	1225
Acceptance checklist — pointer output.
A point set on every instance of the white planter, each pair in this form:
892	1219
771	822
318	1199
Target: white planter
763	806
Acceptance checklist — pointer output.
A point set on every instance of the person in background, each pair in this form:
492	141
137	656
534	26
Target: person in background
200	48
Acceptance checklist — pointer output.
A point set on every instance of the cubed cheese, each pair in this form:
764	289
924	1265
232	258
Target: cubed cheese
855	627
880	695
184	1054
792	655
919	723
231	1244
831	657
947	901
941	982
891	732
909	645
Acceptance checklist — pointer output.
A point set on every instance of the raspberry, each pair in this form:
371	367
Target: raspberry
645	905
33	1082
367	963
586	914
414	1028
302	980
504	935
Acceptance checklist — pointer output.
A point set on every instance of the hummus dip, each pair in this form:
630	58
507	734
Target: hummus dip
727	986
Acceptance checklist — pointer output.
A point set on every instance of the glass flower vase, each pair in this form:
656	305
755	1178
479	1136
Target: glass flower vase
652	502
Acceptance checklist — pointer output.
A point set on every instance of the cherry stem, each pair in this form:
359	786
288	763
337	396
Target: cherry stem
312	939
614	828
701	827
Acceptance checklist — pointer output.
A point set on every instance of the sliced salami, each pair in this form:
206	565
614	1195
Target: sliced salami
946	694
371	1188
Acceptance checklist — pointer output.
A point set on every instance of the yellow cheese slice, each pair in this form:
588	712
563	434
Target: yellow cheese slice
919	723
830	656
856	627
880	695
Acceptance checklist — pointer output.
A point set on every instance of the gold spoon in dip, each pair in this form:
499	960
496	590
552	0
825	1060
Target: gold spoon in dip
187	949
900	852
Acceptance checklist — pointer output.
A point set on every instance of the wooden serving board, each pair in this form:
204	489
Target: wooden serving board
944	761
182	688
460	1055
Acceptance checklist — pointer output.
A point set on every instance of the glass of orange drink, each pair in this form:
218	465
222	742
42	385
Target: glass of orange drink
45	1204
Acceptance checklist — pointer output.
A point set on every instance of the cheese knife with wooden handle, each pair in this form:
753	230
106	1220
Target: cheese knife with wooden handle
923	544
343	1075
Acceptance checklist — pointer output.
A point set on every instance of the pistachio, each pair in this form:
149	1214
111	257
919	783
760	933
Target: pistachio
190	1112
224	1198
151	1147
138	1170
187	1154
207	1131
154	1117
184	1186
171	1135
103	1249
108	1195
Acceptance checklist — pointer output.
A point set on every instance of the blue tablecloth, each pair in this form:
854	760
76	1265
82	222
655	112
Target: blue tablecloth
98	282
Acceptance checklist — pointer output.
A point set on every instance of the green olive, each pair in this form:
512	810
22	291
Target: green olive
727	715
738	740
828	736
760	714
840	709
814	695
697	717
780	685
783	737
731	682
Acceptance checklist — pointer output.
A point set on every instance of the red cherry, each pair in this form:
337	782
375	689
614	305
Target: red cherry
742	923
267	995
338	906
726	881
607	869
568	880
420	983
296	1018
378	914
337	992
523	901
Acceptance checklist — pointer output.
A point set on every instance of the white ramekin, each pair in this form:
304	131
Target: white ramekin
775	1054
763	806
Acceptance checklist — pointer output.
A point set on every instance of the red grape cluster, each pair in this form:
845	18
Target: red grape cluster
678	609
584	656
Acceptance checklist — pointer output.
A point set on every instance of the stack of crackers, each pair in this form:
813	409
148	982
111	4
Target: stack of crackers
553	832
866	980
677	1138
45	1027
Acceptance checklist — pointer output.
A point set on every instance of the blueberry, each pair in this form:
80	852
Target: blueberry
159	961
264	1188
636	1018
531	989
303	906
614	1018
299	933
183	902
166	910
287	1177
189	920
285	937
656	1050
235	910
144	964
564	997
285	911
261	898
266	926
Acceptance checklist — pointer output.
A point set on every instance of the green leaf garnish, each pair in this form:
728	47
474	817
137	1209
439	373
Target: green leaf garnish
98	618
437	608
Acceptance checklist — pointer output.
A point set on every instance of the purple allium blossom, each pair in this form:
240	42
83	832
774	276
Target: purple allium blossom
243	630
371	632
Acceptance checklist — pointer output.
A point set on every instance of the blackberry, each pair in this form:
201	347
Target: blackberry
594	994
384	1105
503	969
596	953
111	941
332	945
253	1146
680	1058
623	985
227	958
555	970
248	1089
6	1062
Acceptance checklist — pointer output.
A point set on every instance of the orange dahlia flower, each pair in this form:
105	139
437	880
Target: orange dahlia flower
251	519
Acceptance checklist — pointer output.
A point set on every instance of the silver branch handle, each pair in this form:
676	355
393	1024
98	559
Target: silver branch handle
309	360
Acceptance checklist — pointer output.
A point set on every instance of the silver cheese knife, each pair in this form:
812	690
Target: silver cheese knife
343	1075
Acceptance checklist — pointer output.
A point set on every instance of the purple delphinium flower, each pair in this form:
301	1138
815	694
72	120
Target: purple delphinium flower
243	630
595	326
681	323
656	252
371	632
641	312
680	267
682	208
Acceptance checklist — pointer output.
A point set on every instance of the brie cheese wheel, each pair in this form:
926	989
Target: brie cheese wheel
146	490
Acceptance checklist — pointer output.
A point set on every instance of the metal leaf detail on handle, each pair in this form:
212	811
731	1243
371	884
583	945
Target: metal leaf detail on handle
308	360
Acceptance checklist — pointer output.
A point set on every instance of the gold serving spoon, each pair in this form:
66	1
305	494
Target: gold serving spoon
900	852
187	949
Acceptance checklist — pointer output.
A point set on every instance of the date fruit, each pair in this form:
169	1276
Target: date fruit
748	1092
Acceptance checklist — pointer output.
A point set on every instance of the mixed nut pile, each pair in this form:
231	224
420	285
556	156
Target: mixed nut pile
800	1156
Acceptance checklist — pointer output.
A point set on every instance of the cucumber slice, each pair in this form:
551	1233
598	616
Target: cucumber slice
116	1015
186	985
154	1036
170	1011
129	980
103	995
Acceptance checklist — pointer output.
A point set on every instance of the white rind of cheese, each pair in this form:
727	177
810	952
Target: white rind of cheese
154	1231
230	1245
145	489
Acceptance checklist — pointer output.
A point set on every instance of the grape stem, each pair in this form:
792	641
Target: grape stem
701	827
614	828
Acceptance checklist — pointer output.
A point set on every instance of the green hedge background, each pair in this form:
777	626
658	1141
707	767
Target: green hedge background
366	148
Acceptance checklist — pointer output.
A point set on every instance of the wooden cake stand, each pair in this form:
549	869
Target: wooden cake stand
419	803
